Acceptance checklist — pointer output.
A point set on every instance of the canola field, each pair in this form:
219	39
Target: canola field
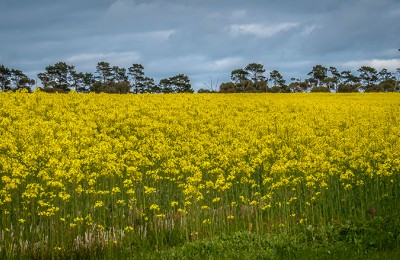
89	172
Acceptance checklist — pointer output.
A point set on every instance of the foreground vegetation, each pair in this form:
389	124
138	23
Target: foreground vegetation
92	175
373	240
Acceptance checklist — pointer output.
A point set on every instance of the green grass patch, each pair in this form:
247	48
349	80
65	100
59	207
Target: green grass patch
377	239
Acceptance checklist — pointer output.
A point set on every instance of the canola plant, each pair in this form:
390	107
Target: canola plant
90	171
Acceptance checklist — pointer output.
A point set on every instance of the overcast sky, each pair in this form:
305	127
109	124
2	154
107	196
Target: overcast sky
204	39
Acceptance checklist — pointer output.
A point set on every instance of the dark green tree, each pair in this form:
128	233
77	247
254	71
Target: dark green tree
318	74
176	84
277	78
384	74
119	74
334	79
88	81
137	78
245	86
20	81
149	86
104	72
82	82
368	76
239	75
249	79
347	87
44	78
77	80
121	87
166	86
181	83
298	86
260	86
388	85
227	87
5	75
58	77
349	78
256	72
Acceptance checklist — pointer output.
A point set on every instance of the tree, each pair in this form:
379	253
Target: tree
5	75
121	87
298	86
57	76
137	76
318	74
20	81
349	78
334	79
241	81
44	78
384	74
388	85
335	73
346	88
240	78
277	78
88	81
140	83
245	86
320	89
77	80
181	83
165	86
261	86
119	74
105	72
330	83
82	82
256	71
177	84
239	75
149	86
227	87
368	75
210	87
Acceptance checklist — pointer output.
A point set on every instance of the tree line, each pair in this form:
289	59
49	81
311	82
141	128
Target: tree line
321	79
62	77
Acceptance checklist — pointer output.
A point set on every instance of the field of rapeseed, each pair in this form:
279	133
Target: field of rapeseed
93	172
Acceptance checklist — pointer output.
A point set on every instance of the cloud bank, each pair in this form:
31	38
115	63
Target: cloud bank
201	39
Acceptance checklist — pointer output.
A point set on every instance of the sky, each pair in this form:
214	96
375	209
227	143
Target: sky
203	39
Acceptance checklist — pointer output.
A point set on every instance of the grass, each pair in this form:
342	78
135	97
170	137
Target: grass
377	239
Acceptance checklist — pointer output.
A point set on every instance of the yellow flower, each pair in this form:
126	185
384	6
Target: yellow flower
215	200
98	204
115	190
154	207
121	202
128	228
149	190
207	221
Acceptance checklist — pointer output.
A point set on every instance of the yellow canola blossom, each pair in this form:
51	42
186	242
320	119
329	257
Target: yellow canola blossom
144	163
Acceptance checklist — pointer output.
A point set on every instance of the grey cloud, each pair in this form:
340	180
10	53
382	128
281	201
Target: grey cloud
200	38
